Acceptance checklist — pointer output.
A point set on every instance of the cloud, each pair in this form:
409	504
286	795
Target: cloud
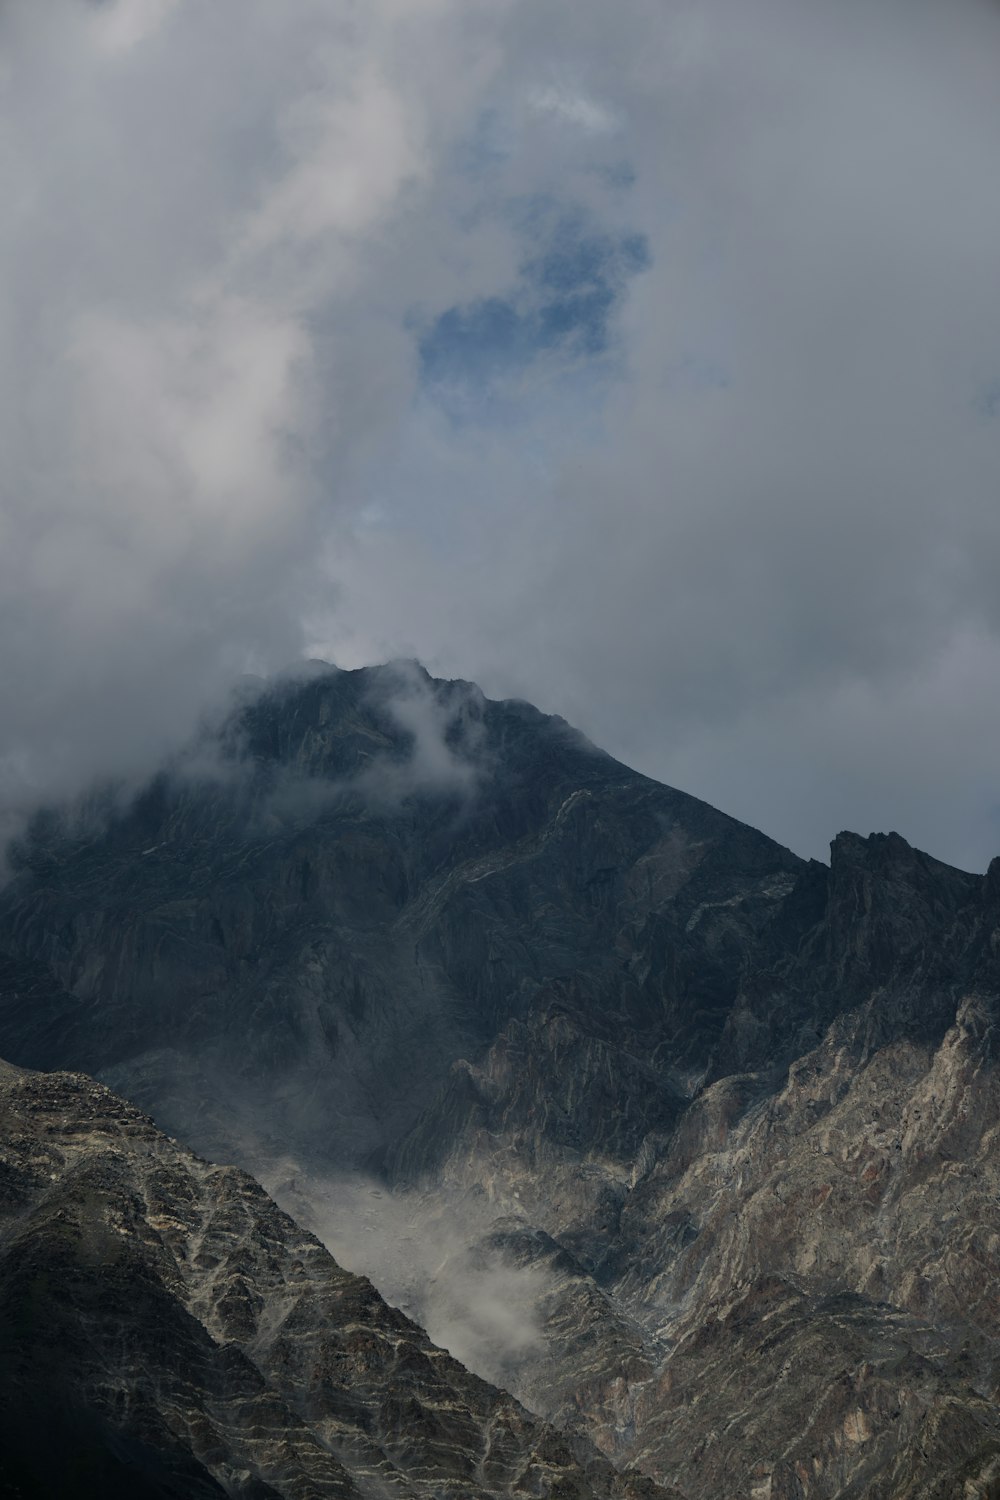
123	24
754	561
444	738
179	416
559	316
640	363
574	108
430	1254
434	747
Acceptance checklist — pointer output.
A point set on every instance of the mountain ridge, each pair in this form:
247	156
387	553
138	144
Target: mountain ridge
170	1332
601	1084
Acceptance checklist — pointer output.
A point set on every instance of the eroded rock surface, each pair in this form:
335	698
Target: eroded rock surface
381	873
718	1124
167	1330
810	1252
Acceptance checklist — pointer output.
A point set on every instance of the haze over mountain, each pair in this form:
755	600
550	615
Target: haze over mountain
686	1141
169	1333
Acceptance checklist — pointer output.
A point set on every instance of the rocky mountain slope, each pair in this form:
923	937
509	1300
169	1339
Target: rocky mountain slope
808	1258
378	874
168	1331
690	1143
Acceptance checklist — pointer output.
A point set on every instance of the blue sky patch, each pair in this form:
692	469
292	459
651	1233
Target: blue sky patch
562	306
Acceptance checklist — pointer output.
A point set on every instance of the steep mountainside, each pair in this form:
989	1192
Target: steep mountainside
167	1331
382	873
808	1258
689	1142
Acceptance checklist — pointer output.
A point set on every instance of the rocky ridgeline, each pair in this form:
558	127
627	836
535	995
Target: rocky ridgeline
728	1118
349	905
168	1331
807	1255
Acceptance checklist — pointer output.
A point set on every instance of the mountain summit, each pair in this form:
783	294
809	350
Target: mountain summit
378	873
685	1140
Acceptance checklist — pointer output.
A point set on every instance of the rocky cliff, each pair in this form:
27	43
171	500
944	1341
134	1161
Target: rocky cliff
168	1331
689	1142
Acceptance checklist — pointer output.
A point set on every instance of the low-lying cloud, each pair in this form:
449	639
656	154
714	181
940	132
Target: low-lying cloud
437	748
428	1253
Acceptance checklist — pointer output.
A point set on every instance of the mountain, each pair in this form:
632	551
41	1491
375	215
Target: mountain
168	1331
381	874
687	1141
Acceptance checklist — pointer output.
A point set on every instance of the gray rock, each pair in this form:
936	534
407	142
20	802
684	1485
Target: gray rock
167	1330
721	1123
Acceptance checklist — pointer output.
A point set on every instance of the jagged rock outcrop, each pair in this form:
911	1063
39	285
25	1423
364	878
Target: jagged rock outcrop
167	1331
721	1122
833	1313
814	1245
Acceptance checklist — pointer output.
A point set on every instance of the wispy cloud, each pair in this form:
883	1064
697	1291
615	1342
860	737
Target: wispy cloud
571	106
430	1254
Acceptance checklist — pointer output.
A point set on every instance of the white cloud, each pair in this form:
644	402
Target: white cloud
573	107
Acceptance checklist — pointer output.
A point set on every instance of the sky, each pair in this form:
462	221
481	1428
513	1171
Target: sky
641	360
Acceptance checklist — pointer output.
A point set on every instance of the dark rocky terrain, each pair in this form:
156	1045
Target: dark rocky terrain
382	874
689	1142
168	1331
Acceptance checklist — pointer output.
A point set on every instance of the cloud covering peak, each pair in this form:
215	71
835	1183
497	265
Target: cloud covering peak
642	362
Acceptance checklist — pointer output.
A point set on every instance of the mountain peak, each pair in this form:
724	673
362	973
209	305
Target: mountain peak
625	1103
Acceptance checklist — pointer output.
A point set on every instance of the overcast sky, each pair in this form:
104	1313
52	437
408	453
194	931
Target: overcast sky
640	359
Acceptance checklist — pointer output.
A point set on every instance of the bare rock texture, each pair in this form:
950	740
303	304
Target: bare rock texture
810	1253
380	873
722	1123
168	1331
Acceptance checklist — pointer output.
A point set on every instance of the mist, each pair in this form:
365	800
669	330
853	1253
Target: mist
428	1253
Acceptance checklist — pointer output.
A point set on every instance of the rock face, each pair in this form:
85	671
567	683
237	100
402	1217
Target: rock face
384	873
168	1331
719	1124
810	1253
